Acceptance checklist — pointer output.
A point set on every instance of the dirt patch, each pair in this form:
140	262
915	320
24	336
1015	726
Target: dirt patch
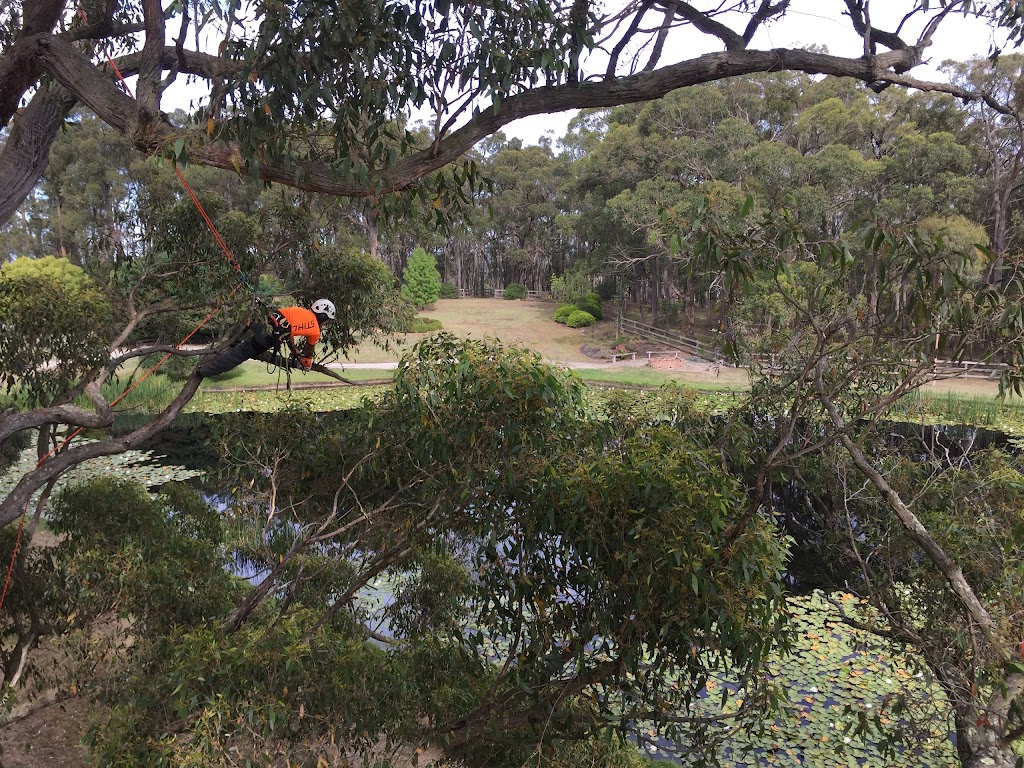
48	737
685	364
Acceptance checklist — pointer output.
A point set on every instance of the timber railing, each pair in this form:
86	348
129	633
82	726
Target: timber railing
499	293
940	368
690	346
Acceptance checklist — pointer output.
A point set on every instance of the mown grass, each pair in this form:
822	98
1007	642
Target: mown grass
651	377
257	374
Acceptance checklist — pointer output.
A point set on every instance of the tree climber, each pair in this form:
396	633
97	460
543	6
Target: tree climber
299	326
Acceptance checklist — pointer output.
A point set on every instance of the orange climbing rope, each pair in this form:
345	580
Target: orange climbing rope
242	280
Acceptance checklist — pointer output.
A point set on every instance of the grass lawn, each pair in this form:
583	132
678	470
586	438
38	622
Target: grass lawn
650	377
255	374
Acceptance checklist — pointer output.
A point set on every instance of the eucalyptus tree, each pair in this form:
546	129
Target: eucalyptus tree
1002	139
373	61
526	200
826	380
549	577
316	97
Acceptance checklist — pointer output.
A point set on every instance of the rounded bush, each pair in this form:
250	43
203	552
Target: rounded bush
563	312
423	325
449	291
591	303
515	291
580	319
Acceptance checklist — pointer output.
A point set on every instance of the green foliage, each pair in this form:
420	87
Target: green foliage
421	282
580	319
514	291
270	287
55	326
158	560
423	325
563	312
267	690
569	287
591	303
606	289
449	291
364	292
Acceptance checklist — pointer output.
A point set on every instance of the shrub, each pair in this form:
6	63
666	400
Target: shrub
449	291
515	291
591	303
606	289
421	280
423	325
563	312
580	319
570	286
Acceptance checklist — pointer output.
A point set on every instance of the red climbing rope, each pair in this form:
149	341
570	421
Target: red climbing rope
241	281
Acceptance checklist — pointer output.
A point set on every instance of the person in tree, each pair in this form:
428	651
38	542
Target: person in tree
297	326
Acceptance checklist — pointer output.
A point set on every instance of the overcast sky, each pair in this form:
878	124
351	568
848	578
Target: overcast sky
807	22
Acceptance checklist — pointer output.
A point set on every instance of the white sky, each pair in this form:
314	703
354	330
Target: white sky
808	22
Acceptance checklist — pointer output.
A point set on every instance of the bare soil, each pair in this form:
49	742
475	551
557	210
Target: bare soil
48	737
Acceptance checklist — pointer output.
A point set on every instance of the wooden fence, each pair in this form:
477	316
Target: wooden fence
694	347
940	368
499	293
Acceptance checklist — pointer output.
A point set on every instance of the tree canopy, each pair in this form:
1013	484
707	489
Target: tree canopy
313	96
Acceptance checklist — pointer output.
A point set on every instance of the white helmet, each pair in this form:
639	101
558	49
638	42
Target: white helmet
324	307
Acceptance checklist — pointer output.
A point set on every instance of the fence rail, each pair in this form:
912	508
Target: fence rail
690	346
974	369
499	293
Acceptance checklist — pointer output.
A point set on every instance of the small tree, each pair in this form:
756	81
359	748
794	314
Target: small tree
421	282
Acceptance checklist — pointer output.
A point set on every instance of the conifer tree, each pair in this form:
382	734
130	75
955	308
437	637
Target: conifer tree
421	282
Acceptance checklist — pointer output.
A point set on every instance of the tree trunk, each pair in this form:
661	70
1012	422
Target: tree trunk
991	737
27	151
655	287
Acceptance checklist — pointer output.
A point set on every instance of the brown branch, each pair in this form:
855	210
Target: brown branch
765	12
634	25
703	22
18	421
150	82
24	156
12	505
941	559
861	25
659	43
94	88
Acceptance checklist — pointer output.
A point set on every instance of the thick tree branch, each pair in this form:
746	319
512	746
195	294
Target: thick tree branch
150	83
93	88
24	156
732	40
18	69
12	506
11	423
